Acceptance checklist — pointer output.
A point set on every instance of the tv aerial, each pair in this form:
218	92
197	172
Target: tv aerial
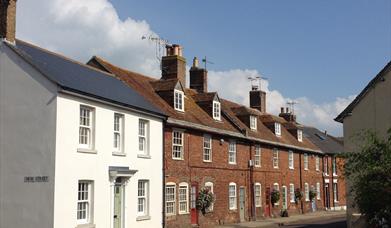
256	82
160	45
206	61
292	105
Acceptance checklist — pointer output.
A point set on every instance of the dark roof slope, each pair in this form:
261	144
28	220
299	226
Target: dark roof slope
326	143
370	85
81	78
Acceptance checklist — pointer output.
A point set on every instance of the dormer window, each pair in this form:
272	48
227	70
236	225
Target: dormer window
179	101
277	129
300	135
253	122
216	110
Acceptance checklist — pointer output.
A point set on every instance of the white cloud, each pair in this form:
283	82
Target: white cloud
234	85
83	28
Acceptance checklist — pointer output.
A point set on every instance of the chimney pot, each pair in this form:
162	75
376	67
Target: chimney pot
287	110
173	64
258	100
282	109
195	62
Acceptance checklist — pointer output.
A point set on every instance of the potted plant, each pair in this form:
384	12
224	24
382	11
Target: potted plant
275	196
312	194
204	200
298	195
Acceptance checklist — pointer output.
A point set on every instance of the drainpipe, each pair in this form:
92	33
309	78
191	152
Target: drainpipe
164	176
301	184
252	197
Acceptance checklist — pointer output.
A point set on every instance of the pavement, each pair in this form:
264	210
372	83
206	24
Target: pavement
292	220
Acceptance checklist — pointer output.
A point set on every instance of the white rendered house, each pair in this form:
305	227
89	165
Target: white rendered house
78	148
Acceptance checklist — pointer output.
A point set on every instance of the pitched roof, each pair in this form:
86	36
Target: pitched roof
327	143
371	84
196	115
80	78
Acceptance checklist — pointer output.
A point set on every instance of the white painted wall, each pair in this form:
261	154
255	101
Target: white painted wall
27	143
72	166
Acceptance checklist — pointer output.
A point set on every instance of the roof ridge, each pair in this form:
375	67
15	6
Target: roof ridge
103	61
61	56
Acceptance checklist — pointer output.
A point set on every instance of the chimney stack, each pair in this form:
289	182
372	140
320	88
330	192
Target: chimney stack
287	115
174	64
198	77
7	20
258	99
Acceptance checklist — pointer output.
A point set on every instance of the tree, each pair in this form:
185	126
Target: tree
204	200
275	196
369	173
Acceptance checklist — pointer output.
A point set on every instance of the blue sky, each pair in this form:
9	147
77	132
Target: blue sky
316	52
317	49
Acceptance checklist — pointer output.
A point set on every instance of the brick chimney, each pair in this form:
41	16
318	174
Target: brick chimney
198	77
258	99
7	20
287	115
174	64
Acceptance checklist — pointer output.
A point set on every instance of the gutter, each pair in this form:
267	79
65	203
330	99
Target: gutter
195	126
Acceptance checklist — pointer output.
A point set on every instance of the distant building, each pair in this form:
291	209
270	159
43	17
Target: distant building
78	148
334	196
370	110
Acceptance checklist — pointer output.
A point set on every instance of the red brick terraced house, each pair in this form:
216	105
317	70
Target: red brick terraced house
240	153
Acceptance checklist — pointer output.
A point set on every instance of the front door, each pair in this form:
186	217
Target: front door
193	206
118	204
327	195
268	203
284	198
242	197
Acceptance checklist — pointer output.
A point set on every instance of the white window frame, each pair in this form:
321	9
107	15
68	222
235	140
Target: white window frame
143	197
334	166
183	198
253	122
275	158
258	156
118	133
307	192
178	144
85	199
207	148
291	161
292	192
88	127
299	135
232	152
232	196
276	186
318	191
209	185
317	163
305	158
277	129
216	110
143	137
179	100
170	185
335	192
258	195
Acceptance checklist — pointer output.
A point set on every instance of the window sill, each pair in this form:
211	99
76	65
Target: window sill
292	201
291	168
206	161
178	159
257	166
258	206
275	167
87	151
335	175
233	209
89	225
145	156
121	154
142	218
183	213
230	163
305	169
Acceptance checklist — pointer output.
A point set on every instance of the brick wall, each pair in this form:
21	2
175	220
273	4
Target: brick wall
193	170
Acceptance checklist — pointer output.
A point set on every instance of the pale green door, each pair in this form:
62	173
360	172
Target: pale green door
117	206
